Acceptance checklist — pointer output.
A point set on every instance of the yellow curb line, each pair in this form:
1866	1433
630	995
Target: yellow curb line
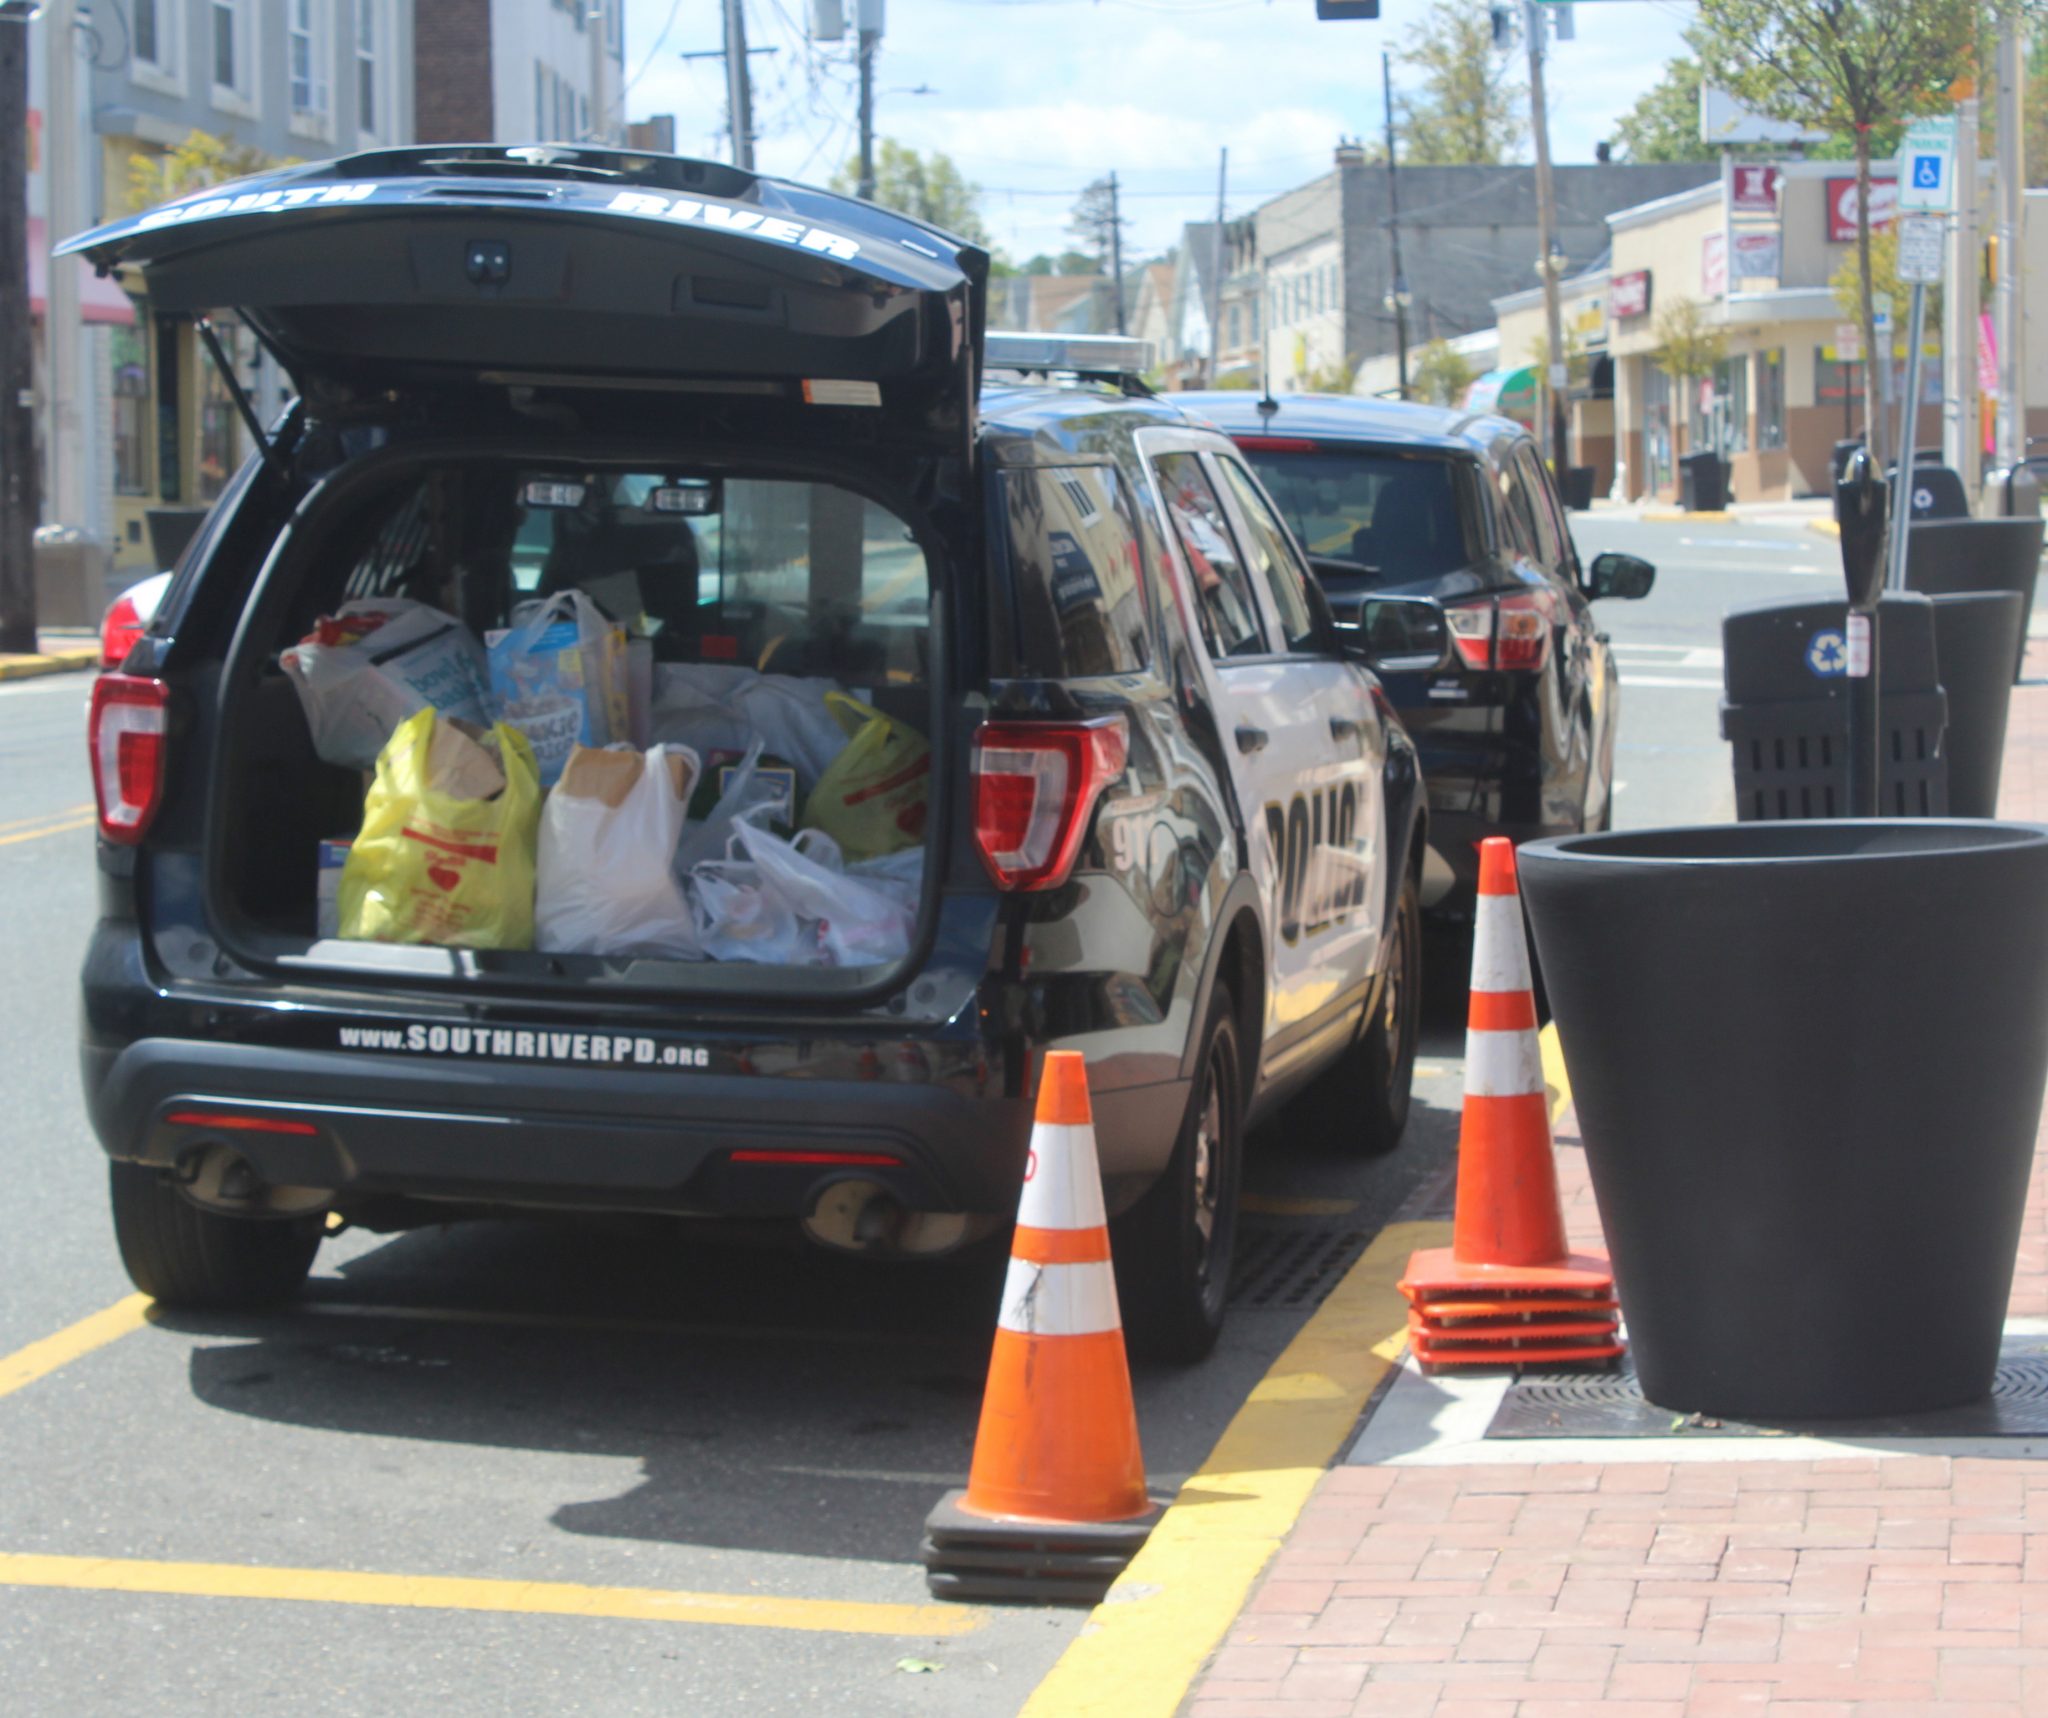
451	1593
1712	516
1556	1082
54	662
1143	1645
1826	527
39	1359
1284	1205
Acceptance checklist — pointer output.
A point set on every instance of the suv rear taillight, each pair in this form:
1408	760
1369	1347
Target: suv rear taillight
1510	635
128	733
1035	788
120	629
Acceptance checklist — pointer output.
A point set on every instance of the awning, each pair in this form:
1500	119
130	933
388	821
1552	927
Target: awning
1509	393
99	298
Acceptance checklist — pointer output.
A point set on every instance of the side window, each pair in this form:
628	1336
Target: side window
1074	568
1223	592
1274	560
1553	548
1517	516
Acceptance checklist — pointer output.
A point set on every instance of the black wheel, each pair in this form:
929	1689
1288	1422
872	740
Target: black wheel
183	1256
1173	1248
1363	1098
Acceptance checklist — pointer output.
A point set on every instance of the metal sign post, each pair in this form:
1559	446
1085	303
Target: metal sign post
1859	510
1921	242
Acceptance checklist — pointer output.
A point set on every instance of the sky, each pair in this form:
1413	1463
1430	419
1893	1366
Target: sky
1034	98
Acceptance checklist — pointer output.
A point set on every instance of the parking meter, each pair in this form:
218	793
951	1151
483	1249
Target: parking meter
1860	513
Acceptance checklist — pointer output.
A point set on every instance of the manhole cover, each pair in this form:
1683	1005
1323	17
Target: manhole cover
1611	1405
1282	1267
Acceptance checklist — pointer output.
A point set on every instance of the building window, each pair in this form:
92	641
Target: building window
307	62
154	61
129	353
232	45
1236	326
1770	398
369	116
149	42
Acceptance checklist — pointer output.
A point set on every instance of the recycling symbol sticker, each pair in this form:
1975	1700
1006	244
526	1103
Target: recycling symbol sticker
1827	654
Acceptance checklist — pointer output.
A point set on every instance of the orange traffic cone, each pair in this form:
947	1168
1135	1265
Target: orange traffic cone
1055	1504
1508	1290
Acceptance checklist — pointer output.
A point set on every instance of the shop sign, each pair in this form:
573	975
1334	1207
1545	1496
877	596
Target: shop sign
1629	294
1884	206
1714	265
1757	256
1755	188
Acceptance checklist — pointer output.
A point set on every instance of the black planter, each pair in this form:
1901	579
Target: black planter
1975	636
1946	555
1808	1063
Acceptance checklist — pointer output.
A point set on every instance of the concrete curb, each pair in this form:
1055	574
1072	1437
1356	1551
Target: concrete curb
1826	527
51	662
1677	516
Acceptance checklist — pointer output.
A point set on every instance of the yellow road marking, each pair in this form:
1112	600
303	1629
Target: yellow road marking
1144	1643
1279	1205
53	829
46	817
1556	1082
456	1593
39	1359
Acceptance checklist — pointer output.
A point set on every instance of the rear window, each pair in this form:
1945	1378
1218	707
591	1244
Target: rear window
1075	571
1397	516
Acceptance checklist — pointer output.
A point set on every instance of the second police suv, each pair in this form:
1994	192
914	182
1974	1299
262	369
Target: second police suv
1172	820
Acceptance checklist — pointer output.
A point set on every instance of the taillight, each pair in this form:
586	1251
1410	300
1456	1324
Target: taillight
1521	639
1509	635
119	631
1471	626
1035	788
128	734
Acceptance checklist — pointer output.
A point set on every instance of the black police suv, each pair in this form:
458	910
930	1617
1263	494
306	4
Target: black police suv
1516	730
1172	819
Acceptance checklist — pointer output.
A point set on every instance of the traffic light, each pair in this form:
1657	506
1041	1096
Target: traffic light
1347	8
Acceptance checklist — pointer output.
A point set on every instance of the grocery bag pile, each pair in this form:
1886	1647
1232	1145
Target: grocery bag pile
551	787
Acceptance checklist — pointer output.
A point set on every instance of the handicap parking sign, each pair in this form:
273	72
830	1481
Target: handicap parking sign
1927	163
1927	172
1827	654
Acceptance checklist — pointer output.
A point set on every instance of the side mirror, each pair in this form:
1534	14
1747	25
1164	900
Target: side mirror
1617	575
1399	635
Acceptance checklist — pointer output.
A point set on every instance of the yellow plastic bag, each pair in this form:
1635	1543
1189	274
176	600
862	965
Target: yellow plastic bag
446	852
872	797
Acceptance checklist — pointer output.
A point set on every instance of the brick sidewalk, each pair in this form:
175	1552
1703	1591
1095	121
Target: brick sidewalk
1862	1587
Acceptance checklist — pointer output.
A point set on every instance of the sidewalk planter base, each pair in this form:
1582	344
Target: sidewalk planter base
1808	1061
1976	634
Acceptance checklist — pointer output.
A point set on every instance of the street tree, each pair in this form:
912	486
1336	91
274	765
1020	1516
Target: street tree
1664	124
1847	66
1689	347
1441	374
1093	225
927	187
1847	282
1473	111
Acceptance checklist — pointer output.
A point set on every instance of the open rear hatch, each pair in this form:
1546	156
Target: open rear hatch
592	267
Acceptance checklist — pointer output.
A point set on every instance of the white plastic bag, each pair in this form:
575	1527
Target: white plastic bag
603	882
750	792
721	707
789	713
859	921
376	661
741	916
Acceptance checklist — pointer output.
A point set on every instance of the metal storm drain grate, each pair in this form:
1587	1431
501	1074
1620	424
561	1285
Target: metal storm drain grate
1281	1267
1611	1405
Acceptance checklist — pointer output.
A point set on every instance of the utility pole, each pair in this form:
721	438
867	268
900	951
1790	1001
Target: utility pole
2012	181
1399	295
739	86
18	476
1116	251
1216	271
869	40
62	137
1533	25
1962	431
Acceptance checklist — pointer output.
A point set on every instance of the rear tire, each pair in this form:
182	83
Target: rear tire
183	1256
1363	1098
1173	1249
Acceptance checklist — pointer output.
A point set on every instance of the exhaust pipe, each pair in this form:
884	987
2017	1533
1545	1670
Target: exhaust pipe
218	1178
866	1218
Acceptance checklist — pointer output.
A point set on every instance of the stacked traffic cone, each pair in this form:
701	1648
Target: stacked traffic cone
1055	1504
1508	1291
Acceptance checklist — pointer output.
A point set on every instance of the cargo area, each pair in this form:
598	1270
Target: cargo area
534	719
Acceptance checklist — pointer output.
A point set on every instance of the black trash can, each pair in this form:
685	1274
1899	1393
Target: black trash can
1785	709
1808	1061
1578	487
1935	492
1977	555
1975	635
1702	483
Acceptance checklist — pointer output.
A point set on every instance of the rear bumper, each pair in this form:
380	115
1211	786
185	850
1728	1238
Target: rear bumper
567	1138
1454	838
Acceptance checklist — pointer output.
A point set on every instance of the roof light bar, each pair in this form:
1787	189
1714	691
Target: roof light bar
1115	354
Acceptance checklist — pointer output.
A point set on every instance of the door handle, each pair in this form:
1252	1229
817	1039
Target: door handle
1344	728
1250	739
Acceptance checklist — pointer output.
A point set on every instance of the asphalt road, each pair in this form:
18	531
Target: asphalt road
612	1406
